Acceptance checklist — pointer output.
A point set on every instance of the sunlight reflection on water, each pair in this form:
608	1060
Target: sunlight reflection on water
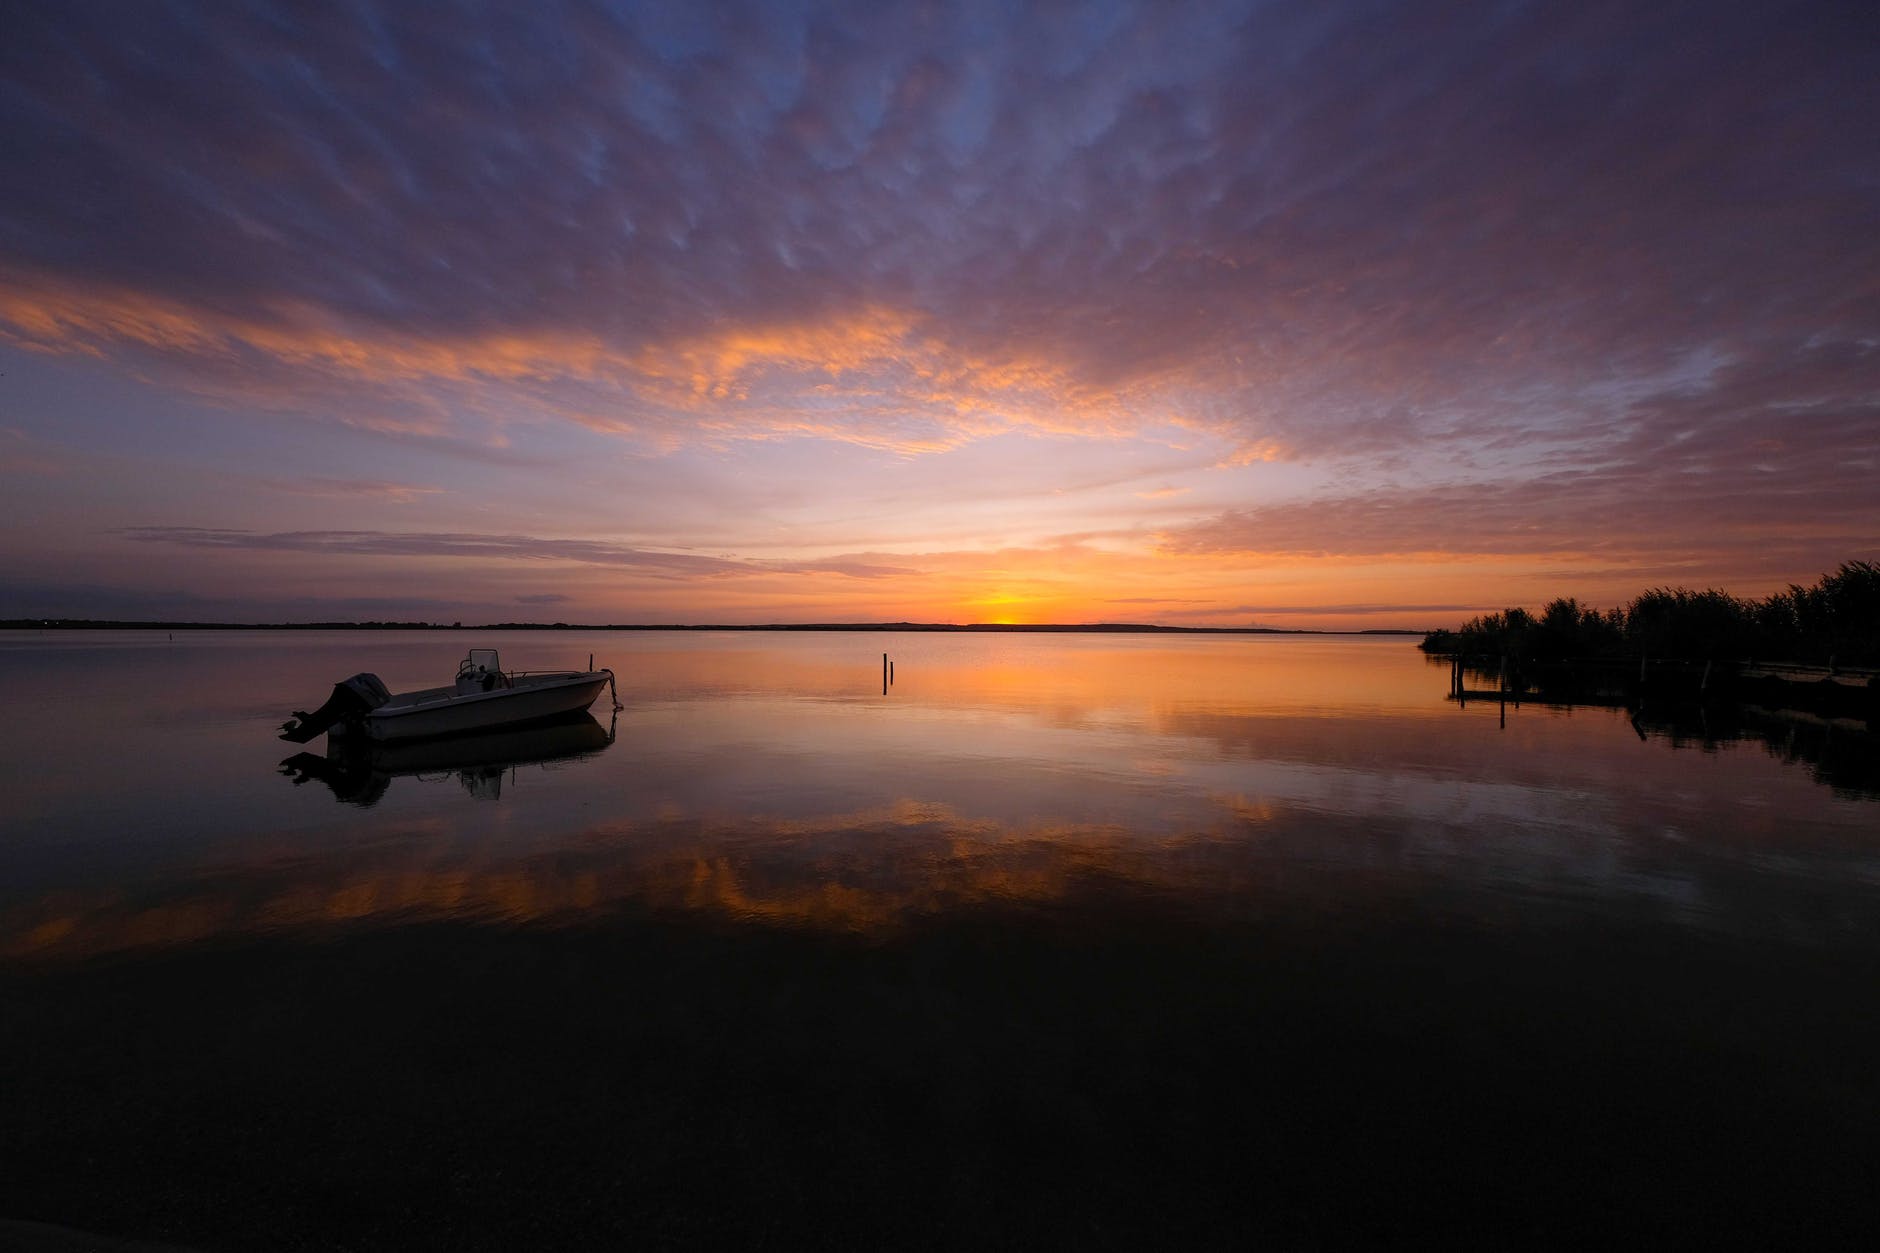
766	777
1115	941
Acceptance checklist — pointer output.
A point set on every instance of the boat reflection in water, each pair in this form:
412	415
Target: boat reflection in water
359	770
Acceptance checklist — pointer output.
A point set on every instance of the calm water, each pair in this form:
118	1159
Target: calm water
1102	941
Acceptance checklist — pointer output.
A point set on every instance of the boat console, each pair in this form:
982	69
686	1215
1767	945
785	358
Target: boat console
481	671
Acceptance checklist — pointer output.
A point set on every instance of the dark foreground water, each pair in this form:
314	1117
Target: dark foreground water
1066	941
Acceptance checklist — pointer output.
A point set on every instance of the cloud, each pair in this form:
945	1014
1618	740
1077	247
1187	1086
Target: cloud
40	598
23	455
1153	600
377	489
879	378
486	548
1338	611
543	598
1375	284
1294	230
1771	461
1625	518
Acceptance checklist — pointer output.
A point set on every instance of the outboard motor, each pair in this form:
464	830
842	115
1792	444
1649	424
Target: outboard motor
352	698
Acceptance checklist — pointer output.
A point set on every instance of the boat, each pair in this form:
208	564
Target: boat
358	771
483	696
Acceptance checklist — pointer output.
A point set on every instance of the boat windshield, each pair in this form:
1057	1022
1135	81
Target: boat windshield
480	661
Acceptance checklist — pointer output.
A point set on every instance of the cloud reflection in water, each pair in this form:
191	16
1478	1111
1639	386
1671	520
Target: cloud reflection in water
763	784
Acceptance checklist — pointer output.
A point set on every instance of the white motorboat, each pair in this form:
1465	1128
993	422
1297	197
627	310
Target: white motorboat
483	696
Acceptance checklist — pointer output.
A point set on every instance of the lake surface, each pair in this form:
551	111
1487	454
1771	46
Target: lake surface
1091	940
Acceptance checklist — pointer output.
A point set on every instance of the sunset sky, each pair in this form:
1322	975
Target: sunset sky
1290	314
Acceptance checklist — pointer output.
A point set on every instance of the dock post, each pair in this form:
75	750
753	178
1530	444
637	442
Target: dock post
884	674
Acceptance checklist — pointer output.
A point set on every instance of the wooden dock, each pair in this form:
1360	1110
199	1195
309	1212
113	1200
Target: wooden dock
1829	690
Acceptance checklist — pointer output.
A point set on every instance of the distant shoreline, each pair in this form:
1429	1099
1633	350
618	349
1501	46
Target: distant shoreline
1089	628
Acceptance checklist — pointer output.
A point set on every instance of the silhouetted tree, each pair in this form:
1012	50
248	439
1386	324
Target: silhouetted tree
1677	622
1838	618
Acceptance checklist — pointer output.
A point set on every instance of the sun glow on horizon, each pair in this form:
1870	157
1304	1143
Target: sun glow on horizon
1001	608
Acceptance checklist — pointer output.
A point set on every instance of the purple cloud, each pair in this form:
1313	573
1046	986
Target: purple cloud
1589	280
497	548
1333	229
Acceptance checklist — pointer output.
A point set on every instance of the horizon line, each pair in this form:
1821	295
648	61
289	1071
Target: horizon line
388	625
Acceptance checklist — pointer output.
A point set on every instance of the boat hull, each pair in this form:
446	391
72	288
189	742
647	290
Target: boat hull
359	770
446	713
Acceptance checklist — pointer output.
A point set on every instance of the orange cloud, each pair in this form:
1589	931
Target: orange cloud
861	377
878	376
376	489
47	316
